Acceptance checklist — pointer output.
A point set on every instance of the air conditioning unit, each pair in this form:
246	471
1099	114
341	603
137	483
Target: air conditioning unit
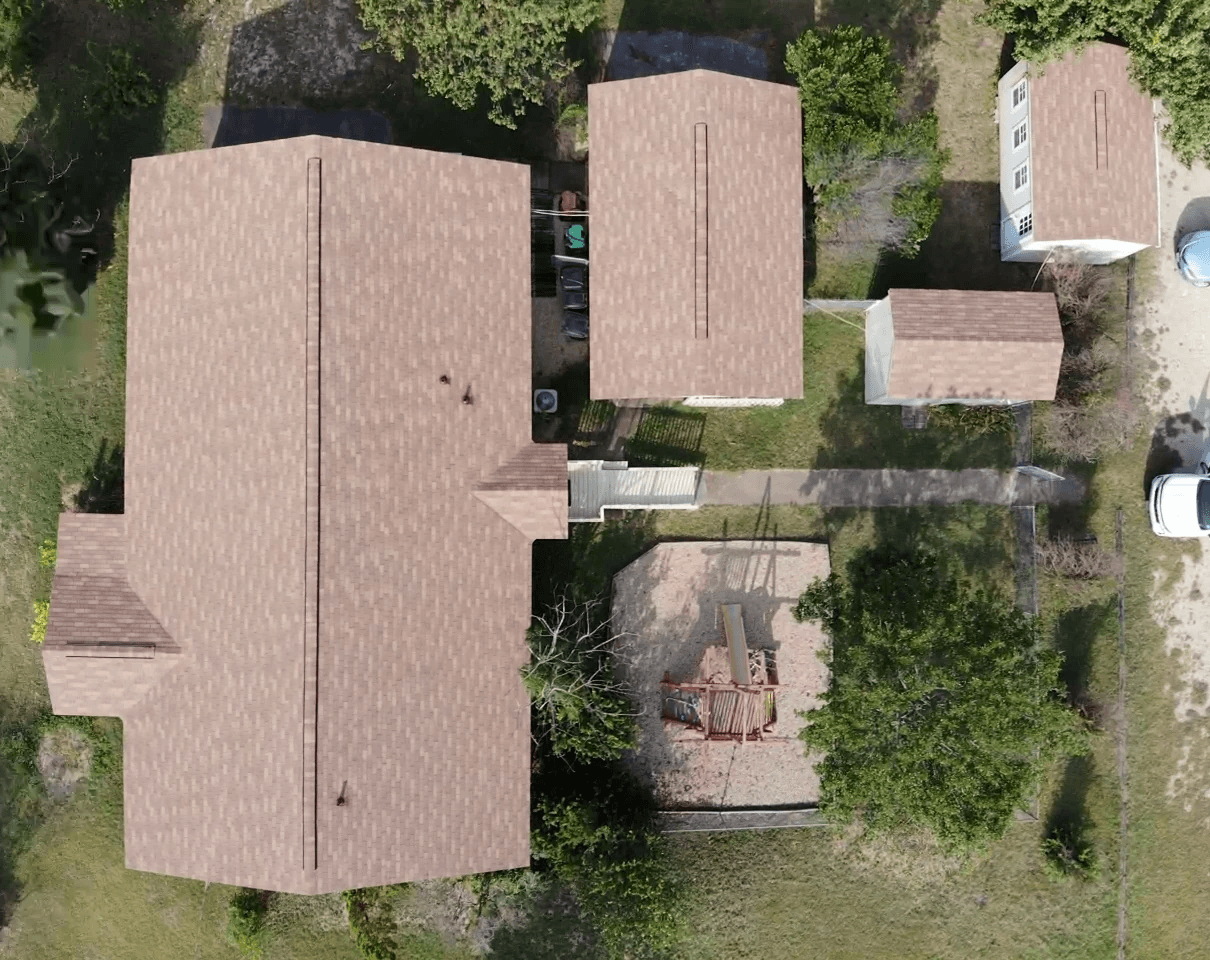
546	401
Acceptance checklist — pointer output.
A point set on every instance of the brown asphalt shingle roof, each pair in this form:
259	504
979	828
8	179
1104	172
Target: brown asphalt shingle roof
974	344
695	237
1093	150
306	519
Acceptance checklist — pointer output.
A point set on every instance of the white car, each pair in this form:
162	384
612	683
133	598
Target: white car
1180	504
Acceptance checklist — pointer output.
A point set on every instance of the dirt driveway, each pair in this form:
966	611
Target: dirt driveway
1174	324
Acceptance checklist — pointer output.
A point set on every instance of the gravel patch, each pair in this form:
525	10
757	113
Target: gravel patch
665	616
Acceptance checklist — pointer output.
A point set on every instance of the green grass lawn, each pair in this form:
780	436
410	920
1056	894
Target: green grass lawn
832	426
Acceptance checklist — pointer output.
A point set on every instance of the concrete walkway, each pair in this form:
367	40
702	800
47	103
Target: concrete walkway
883	488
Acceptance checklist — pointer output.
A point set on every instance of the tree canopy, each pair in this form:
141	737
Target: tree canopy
1169	43
944	708
510	50
870	170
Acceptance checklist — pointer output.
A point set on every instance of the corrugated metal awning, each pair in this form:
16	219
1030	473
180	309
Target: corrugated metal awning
599	485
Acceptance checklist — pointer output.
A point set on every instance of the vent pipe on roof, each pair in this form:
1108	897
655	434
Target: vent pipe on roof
701	237
1102	132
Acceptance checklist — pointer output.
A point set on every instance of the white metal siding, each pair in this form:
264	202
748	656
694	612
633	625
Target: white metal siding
1013	203
599	485
879	343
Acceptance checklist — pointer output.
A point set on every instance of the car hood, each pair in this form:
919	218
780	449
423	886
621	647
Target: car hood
1174	505
1195	257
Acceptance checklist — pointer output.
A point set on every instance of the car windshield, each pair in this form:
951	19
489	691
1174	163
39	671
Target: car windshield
1203	504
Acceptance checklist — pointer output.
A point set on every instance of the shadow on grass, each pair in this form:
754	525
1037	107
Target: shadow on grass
861	435
960	253
667	437
553	929
1069	815
301	54
583	565
104	489
1076	633
103	82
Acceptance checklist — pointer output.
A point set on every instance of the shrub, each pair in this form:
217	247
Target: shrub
246	912
372	921
973	421
1077	560
512	51
875	176
121	87
1068	853
48	554
17	22
1091	430
594	827
37	632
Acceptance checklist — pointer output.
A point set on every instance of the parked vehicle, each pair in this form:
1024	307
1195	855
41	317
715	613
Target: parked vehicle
1193	258
1179	505
575	324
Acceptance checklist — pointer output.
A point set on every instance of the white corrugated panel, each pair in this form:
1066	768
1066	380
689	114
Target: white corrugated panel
599	485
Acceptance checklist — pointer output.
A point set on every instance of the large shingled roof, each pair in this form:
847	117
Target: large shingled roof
994	345
1093	150
695	237
326	548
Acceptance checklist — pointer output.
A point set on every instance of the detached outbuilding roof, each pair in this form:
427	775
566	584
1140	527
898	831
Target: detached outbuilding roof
1093	150
974	344
695	237
321	584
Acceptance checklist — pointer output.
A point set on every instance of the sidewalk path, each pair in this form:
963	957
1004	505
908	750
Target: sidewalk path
883	488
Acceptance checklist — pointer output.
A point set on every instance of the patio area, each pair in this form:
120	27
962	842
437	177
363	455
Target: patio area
667	621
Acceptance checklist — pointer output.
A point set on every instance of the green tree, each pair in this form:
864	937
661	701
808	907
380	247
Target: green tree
944	709
18	19
510	50
875	176
1169	43
42	259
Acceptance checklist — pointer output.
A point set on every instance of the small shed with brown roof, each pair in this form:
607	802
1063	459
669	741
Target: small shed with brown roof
696	237
962	346
1077	159
312	614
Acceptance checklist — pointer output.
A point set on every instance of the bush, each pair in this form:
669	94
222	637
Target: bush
246	912
1092	430
512	51
372	920
120	87
1068	853
17	22
48	554
593	826
1077	560
974	421
37	632
875	176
